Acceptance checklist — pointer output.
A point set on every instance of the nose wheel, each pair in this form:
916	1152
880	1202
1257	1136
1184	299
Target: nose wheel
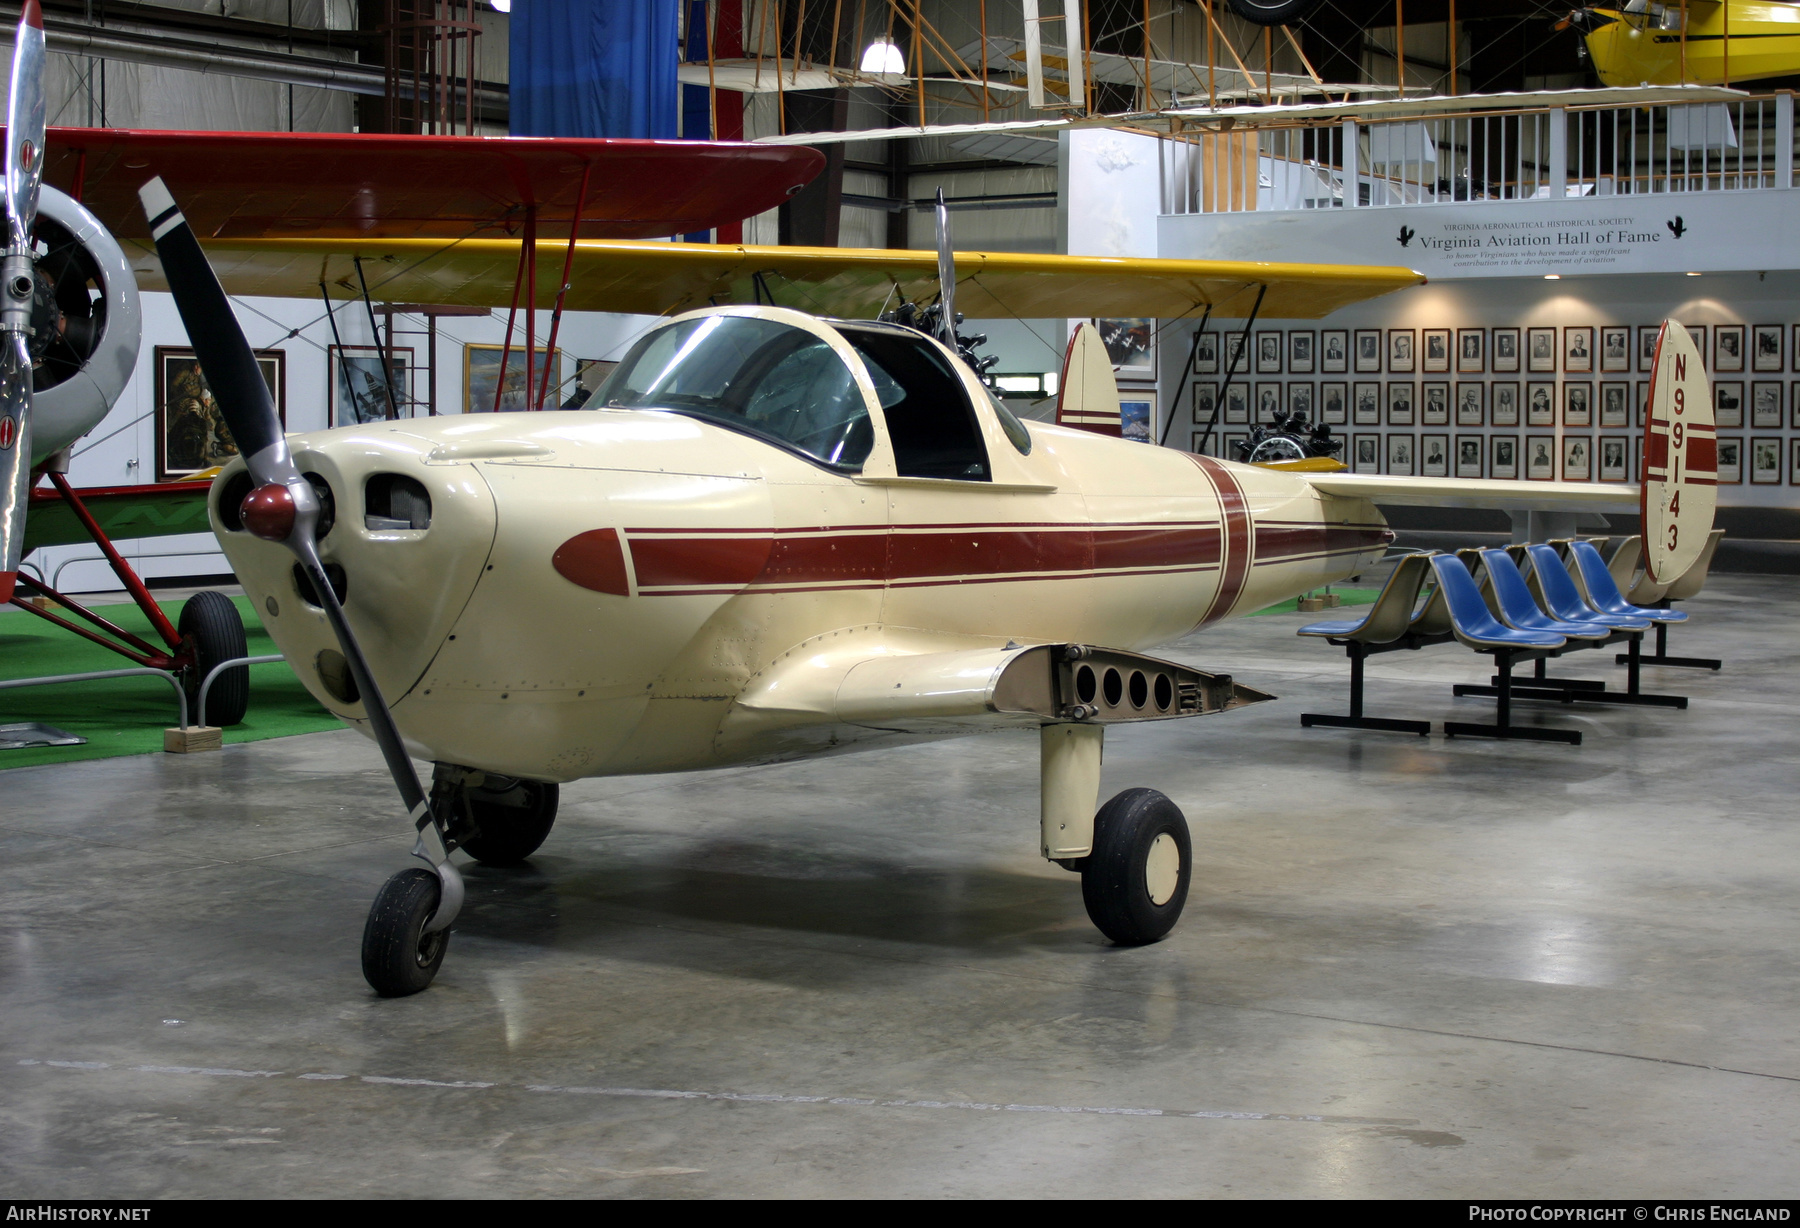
398	956
1135	881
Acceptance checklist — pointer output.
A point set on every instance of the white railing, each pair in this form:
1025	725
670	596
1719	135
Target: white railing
1488	156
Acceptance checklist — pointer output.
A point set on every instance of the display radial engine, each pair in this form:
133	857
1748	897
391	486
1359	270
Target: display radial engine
771	536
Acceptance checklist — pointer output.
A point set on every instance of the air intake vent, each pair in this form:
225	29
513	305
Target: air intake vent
392	501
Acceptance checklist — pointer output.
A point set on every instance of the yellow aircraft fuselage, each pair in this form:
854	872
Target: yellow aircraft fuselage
1648	48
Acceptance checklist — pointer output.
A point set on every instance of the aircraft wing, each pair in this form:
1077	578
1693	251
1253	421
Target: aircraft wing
164	509
334	184
663	278
1478	492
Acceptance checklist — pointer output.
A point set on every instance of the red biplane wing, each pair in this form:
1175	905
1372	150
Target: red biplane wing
370	185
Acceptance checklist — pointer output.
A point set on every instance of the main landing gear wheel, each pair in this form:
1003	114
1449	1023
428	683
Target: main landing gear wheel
211	622
1135	882
510	821
398	956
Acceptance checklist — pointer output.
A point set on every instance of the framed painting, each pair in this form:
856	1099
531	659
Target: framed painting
1765	405
1577	458
1400	455
1368	350
359	394
1506	351
1434	403
1468	456
1540	349
1506	403
1540	404
1765	460
1131	346
1400	403
1471	351
1615	348
1334	400
1731	460
191	435
1505	452
1613	452
1434	456
1615	407
1137	414
1334	351
481	377
1540	457
1728	348
1765	347
1366	453
1435	343
1728	403
1578	349
1268	353
1469	397
1578	404
1401	359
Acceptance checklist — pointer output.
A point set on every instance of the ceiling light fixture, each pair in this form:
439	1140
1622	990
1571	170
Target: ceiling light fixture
501	6
883	56
1693	274
1552	276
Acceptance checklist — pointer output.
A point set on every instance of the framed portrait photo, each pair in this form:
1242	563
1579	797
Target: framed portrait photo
1435	344
1206	354
1765	405
1578	404
1237	405
1334	402
1577	458
1401	358
1300	351
1400	455
1137	414
191	435
1268	353
1765	460
1365	453
1469	407
1794	462
1268	401
1540	404
1578	349
1728	403
1471	351
1206	400
1234	445
1614	451
1506	403
1506	351
1434	456
1540	458
1794	401
1232	352
1368	404
1698	333
1765	347
1400	403
1131	346
1300	398
359	394
1615	348
1504	449
1334	351
481	375
1731	460
1468	456
1728	348
1643	400
1794	347
1434	404
1615	403
1648	335
1540	349
1368	350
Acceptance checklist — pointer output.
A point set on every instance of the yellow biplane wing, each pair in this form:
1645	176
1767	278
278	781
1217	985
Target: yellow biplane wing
663	278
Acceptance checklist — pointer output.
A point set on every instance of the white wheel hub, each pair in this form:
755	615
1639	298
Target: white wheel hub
1162	869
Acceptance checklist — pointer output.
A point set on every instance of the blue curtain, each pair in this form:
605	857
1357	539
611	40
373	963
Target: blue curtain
594	68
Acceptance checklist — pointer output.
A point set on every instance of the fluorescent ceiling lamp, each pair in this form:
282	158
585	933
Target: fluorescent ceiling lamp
1552	276
883	56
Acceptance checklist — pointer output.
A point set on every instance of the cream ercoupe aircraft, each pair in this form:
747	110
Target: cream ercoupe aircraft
769	535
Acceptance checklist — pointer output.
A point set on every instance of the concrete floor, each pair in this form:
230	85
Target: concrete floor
1409	968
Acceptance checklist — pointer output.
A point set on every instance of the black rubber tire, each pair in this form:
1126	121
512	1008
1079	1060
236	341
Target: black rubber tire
211	622
398	957
509	832
1113	878
1272	12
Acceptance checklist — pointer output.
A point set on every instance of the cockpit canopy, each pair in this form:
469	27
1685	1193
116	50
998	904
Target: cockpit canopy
789	386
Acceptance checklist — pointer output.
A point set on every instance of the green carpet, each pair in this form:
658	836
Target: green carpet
127	716
1348	596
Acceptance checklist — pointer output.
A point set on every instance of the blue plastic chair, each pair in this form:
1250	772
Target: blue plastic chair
1470	620
1601	590
1520	611
1563	600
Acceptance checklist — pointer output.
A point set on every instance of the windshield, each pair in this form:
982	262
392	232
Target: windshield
762	376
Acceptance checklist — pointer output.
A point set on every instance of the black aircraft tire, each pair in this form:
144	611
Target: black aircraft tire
509	833
398	957
1141	855
1272	12
212	622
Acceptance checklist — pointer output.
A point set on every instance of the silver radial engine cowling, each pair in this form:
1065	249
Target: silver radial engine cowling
87	359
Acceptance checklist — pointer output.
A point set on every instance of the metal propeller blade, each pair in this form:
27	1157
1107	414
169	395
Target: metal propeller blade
946	275
283	506
18	285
